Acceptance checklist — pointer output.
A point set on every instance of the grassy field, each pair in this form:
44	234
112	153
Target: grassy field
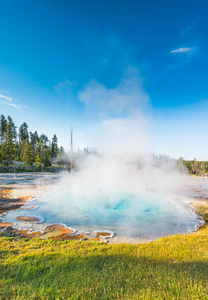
175	267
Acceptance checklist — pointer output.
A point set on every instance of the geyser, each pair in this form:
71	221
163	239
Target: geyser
128	194
119	194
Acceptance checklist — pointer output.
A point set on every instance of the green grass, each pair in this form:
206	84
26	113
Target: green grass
203	211
175	267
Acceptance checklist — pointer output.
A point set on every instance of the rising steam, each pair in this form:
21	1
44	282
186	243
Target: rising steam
122	187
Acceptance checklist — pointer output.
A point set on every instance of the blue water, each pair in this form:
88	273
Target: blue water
144	215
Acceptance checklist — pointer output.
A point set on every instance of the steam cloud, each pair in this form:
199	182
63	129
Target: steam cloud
121	116
122	187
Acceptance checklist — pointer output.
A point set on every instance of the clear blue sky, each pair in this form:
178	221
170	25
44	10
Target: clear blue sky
91	63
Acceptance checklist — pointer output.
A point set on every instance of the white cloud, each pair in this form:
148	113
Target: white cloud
183	50
6	100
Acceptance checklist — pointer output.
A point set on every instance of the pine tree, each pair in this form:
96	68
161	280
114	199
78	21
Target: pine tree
34	139
40	149
3	151
3	125
28	154
195	167
47	155
38	163
23	132
45	140
14	131
61	151
54	146
23	136
8	147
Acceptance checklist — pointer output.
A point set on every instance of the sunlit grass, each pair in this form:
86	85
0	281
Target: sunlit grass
175	267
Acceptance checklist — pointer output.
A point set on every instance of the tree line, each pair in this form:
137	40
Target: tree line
193	166
25	146
31	148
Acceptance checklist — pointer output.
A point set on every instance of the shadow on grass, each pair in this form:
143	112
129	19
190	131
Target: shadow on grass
101	275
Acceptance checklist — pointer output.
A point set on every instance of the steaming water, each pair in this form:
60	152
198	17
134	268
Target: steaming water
143	215
139	216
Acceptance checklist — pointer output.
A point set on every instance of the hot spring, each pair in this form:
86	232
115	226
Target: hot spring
136	204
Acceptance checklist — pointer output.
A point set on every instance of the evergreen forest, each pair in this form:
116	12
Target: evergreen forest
23	148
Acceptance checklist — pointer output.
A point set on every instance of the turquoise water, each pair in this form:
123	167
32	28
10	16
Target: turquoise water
146	216
143	215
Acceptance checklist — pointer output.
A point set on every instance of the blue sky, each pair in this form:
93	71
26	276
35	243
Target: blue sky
111	69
